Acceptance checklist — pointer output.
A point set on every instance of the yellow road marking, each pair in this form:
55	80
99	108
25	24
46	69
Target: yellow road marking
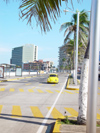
11	89
16	111
57	91
49	91
28	84
98	87
36	112
54	85
27	77
1	108
40	84
55	113
73	112
30	90
68	92
76	91
40	91
98	93
2	89
21	90
12	79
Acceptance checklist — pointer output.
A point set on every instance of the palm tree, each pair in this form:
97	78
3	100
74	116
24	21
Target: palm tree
83	90
42	10
70	29
69	48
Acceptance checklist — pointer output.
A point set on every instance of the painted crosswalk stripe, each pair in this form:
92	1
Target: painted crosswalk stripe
36	111
73	112
98	116
57	91
30	90
40	84
55	113
53	85
28	84
68	92
11	89
49	91
16	111
2	89
40	91
21	90
1	108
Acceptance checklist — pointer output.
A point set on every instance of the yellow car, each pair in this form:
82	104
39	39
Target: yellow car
53	78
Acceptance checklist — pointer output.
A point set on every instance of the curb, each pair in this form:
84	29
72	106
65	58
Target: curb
3	80
56	128
6	80
69	88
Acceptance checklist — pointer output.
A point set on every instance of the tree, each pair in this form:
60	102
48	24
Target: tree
42	10
70	29
83	90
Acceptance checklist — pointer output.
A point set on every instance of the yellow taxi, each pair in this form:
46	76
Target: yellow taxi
53	78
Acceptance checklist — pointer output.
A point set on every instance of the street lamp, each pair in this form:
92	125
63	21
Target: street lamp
76	57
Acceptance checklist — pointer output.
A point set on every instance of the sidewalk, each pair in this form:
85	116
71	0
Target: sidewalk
71	85
65	128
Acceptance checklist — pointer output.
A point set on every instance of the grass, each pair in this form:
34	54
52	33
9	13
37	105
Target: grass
72	122
67	121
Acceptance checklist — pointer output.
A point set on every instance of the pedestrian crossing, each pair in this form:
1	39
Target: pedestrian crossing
34	90
35	111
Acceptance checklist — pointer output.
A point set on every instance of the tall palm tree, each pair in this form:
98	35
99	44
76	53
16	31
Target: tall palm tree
70	29
42	10
69	47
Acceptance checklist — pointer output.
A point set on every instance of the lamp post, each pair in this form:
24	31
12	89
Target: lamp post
76	53
93	66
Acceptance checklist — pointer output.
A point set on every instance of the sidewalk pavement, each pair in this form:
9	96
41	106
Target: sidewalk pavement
70	84
65	128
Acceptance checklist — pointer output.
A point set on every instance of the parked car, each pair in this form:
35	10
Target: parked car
53	78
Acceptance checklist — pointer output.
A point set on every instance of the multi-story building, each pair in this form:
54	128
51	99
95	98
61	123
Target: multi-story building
38	65
63	56
24	54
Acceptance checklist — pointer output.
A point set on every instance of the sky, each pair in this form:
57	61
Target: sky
15	32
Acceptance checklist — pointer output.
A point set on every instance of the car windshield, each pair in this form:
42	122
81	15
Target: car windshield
53	75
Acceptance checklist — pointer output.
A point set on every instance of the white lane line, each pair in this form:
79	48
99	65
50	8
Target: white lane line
48	114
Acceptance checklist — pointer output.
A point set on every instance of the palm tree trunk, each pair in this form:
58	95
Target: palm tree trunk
83	90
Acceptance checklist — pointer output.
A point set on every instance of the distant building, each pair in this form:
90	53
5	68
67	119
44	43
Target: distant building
62	55
38	65
24	54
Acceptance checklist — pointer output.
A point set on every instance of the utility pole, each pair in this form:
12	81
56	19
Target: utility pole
93	66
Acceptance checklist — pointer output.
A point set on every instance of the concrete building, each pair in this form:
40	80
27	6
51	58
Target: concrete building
38	65
24	54
62	55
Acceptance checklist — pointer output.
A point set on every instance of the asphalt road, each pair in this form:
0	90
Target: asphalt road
31	105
